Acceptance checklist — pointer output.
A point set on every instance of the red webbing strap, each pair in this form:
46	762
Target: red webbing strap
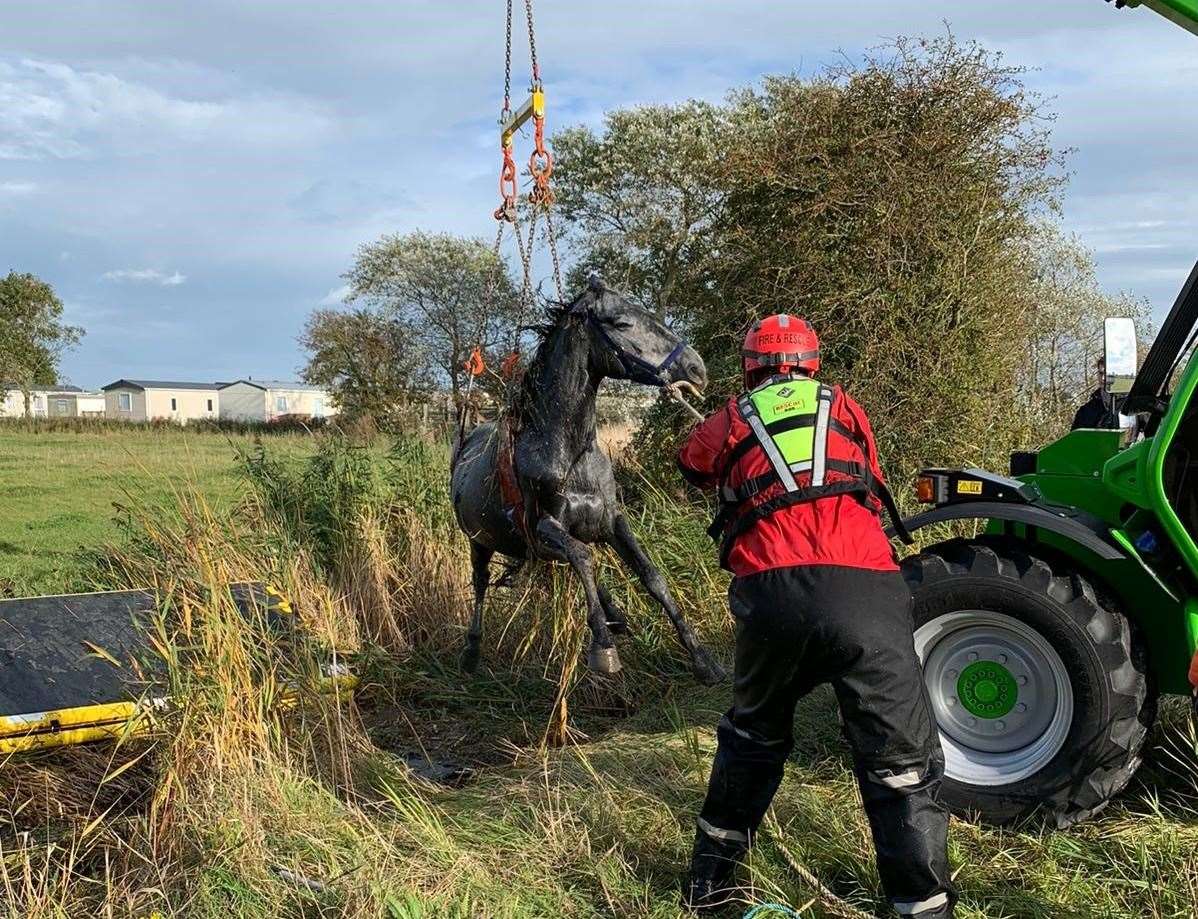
509	483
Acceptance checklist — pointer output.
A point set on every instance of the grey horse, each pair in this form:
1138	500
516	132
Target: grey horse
546	445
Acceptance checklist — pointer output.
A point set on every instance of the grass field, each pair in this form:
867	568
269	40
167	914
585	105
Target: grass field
580	791
61	492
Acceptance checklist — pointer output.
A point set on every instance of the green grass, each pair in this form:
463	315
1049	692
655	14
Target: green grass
60	492
236	799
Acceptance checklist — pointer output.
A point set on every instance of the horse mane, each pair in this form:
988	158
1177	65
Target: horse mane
554	314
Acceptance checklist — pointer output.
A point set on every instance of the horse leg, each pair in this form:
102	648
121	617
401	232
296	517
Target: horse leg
480	565
703	665
617	622
553	539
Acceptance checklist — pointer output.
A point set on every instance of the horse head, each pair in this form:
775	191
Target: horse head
630	343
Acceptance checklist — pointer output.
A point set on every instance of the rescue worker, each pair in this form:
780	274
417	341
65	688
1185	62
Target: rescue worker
1098	411
817	598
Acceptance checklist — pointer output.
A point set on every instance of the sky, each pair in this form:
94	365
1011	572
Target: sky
194	179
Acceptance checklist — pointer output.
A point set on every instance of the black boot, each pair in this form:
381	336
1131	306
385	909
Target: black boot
710	885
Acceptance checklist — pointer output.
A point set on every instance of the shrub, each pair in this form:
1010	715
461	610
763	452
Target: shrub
905	205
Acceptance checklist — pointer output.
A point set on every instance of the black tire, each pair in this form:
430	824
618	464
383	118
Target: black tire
1114	704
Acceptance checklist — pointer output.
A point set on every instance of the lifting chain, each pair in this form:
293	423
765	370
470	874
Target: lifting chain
540	164
507	173
540	167
507	62
532	40
525	249
540	161
551	237
507	188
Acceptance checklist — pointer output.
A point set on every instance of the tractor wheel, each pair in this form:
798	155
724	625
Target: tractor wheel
1039	687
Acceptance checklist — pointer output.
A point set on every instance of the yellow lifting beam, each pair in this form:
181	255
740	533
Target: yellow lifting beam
533	107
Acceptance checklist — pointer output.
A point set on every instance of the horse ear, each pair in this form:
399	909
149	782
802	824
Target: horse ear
583	304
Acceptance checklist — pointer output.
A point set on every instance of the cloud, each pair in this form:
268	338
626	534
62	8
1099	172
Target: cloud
336	296
16	189
348	201
53	110
170	134
145	276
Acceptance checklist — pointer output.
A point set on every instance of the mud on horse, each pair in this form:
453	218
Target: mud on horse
537	484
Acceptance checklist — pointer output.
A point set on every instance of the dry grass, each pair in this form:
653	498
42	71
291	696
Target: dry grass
615	439
243	805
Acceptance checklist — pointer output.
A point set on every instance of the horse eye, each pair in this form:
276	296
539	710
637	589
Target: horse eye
622	324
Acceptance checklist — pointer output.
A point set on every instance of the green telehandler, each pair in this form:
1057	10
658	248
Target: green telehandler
1047	639
1182	12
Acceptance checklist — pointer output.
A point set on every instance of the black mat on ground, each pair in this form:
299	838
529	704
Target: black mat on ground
78	650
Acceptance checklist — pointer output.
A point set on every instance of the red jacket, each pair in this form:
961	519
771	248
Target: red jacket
833	530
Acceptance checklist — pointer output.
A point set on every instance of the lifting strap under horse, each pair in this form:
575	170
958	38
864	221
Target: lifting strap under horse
514	505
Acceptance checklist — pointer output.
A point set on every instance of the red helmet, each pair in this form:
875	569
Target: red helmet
782	343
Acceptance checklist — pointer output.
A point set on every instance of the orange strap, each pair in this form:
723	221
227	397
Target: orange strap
475	364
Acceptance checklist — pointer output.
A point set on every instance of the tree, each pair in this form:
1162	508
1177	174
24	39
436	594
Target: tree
1065	336
33	336
367	360
451	294
641	194
895	203
902	204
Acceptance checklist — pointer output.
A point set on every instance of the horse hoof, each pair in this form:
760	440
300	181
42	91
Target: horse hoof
468	662
604	660
706	670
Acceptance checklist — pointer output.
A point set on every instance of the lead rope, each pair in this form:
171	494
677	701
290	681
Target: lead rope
824	894
671	391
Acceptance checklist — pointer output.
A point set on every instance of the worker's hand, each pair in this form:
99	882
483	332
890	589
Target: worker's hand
673	392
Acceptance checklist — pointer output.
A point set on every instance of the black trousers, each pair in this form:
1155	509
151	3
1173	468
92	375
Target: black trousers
795	629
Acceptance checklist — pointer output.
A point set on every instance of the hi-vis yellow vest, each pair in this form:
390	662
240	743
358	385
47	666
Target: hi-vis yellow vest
791	422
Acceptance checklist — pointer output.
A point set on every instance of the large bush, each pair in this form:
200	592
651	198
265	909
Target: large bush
905	204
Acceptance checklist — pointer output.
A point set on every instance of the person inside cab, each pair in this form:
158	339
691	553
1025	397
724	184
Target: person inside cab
1098	411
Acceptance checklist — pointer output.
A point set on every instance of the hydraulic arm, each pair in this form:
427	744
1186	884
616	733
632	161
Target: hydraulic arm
1182	12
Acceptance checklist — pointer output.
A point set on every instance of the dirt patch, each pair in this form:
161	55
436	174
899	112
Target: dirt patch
489	719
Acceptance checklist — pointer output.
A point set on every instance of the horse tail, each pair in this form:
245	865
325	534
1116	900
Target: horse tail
455	448
459	435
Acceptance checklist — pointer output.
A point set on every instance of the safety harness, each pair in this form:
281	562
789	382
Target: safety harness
795	441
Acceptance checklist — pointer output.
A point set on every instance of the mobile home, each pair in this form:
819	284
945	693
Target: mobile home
44	401
268	400
151	400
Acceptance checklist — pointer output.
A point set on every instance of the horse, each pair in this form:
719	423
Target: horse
537	484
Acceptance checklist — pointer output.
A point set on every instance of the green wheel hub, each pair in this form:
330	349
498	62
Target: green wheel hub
1001	695
987	689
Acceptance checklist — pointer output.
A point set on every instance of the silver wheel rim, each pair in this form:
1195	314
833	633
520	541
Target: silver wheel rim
996	736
